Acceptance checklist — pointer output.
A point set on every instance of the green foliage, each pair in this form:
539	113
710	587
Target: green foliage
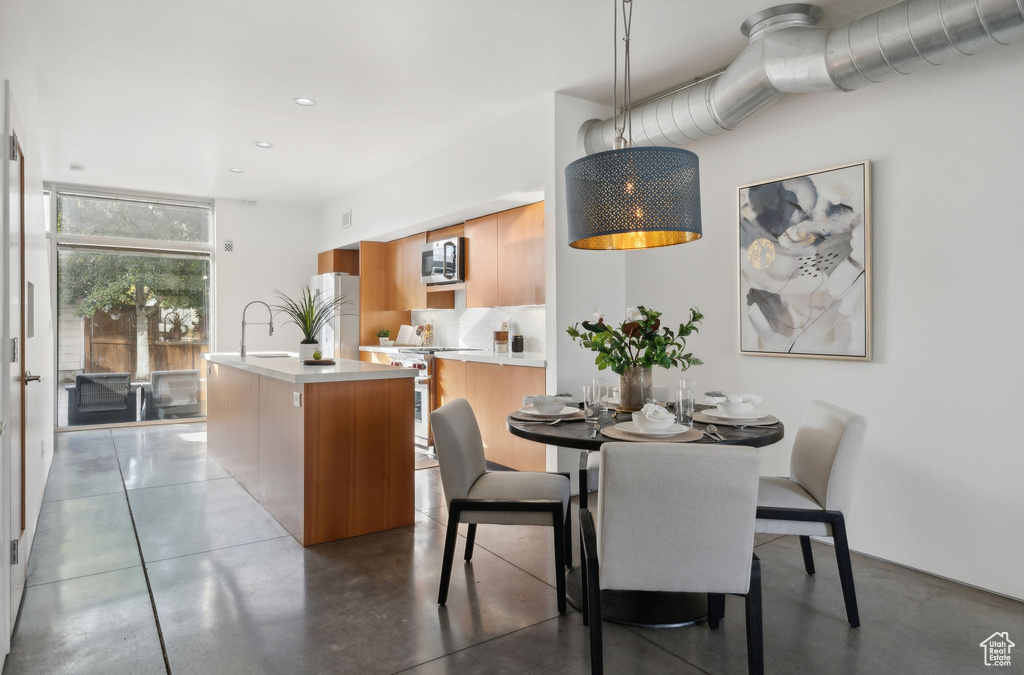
384	333
639	341
104	281
311	312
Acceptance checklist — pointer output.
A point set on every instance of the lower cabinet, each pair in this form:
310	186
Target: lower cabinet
494	391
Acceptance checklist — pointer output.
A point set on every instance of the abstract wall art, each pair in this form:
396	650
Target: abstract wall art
805	265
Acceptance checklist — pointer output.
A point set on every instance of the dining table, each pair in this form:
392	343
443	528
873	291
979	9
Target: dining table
638	608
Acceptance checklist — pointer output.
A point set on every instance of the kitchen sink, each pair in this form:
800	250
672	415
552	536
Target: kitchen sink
280	355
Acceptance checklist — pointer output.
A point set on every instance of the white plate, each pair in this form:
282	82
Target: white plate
631	428
752	415
566	411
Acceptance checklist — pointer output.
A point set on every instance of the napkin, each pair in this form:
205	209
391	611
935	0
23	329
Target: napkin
735	398
543	398
656	413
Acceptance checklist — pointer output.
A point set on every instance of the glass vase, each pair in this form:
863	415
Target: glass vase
634	388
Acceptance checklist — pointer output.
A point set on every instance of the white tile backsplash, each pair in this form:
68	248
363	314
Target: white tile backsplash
472	328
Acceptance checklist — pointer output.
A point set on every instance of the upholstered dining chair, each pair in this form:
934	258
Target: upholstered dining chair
815	497
475	495
674	518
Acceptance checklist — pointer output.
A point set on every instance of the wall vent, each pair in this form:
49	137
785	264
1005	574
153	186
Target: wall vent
229	246
247	202
346	219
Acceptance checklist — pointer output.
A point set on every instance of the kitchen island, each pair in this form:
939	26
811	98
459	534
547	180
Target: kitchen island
327	450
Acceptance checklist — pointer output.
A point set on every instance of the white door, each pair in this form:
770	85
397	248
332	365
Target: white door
16	380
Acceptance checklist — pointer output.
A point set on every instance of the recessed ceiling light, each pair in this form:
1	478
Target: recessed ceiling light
236	170
304	101
264	144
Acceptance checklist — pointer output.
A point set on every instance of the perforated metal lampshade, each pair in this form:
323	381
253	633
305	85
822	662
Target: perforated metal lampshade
633	198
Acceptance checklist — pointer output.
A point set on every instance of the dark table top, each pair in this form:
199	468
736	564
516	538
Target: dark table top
578	434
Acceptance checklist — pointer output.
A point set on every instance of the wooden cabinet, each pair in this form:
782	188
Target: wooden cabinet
494	391
374	309
482	261
449	381
406	290
338	260
505	258
234	441
521	256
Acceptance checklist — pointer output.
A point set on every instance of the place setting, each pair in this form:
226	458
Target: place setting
735	410
550	410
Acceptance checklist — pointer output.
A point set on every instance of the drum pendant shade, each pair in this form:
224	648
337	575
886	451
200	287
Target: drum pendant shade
633	198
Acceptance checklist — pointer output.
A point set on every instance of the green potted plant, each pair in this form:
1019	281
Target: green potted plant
633	348
311	312
384	334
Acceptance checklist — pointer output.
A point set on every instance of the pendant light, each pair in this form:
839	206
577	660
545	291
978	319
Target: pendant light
632	197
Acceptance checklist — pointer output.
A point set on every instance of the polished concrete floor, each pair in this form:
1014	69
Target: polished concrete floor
230	592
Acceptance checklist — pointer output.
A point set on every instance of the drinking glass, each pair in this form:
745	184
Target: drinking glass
591	402
685	400
601	384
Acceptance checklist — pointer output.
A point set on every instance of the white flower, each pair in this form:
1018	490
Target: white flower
598	315
633	314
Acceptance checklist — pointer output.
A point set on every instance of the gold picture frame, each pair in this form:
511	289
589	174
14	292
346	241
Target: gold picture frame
807	212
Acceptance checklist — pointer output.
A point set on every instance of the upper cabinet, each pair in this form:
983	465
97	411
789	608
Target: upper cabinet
406	290
482	261
521	256
505	258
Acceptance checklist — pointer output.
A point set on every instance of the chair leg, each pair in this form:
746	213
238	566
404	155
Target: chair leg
585	594
805	548
716	609
596	639
567	536
755	635
449	555
559	531
470	541
845	571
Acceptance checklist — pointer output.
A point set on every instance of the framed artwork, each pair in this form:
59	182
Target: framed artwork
805	265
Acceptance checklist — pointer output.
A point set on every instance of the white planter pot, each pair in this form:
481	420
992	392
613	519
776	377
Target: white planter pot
306	351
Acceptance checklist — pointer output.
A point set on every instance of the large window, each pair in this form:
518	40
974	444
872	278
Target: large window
133	298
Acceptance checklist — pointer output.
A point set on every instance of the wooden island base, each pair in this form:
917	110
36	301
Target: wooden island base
339	465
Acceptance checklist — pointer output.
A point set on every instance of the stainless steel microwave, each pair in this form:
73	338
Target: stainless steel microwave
443	262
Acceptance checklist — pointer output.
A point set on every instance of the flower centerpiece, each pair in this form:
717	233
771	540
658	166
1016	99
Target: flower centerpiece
311	313
633	348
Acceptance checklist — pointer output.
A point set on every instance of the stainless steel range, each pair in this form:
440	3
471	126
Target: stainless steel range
422	359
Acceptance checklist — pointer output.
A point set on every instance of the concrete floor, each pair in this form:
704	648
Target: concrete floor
233	593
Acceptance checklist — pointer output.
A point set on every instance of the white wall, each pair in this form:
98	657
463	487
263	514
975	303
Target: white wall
939	483
17	66
274	249
480	174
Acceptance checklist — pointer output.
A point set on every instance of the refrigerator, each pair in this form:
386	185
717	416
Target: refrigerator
340	338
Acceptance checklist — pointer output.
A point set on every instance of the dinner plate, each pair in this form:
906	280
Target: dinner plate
752	415
566	411
631	428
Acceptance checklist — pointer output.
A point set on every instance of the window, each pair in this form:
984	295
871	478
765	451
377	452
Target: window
133	298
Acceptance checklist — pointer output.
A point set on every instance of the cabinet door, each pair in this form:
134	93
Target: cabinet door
482	261
402	262
520	278
494	391
449	381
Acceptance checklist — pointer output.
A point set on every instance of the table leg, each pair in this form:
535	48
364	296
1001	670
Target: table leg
641	608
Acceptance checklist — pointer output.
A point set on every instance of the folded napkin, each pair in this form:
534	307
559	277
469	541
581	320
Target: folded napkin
656	413
543	398
735	398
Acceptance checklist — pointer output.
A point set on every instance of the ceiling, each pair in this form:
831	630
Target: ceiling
166	96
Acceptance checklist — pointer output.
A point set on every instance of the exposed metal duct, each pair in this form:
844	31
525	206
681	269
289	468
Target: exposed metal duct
788	54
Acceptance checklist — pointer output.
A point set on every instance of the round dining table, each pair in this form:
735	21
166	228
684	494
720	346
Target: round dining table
637	608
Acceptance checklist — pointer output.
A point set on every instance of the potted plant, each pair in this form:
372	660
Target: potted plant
634	347
311	313
384	334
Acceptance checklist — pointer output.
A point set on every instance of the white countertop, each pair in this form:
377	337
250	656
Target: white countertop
531	359
290	369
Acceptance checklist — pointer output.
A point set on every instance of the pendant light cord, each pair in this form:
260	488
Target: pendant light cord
627	92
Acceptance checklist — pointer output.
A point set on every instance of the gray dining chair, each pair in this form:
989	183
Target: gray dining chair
673	517
475	495
814	499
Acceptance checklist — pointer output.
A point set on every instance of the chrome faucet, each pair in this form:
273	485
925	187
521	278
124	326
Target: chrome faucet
268	323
